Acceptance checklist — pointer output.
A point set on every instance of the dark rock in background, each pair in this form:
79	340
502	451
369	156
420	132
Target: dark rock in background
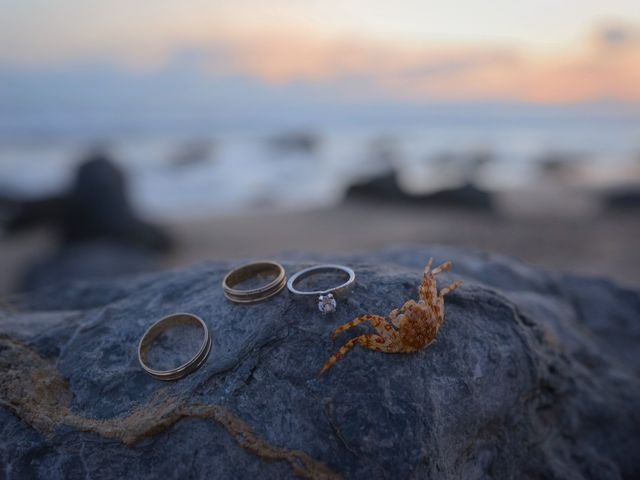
96	207
623	199
533	375
465	196
385	188
560	166
382	187
295	142
192	153
98	233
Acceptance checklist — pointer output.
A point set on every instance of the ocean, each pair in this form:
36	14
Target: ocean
177	170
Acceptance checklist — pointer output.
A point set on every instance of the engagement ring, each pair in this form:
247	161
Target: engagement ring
326	298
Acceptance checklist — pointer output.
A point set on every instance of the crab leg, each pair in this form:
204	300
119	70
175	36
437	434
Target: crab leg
372	342
375	320
427	269
428	291
447	290
441	268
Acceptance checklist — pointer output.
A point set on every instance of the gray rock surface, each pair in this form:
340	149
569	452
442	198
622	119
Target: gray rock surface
533	375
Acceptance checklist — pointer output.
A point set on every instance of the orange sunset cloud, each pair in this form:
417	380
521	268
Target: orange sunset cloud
604	65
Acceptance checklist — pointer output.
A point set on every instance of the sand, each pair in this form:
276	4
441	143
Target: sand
590	242
593	244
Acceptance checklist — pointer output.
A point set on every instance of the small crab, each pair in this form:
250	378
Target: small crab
412	327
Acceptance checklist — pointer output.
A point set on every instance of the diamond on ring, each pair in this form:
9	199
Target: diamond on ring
326	298
326	303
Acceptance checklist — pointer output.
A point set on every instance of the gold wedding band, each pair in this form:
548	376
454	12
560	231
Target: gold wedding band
253	270
165	324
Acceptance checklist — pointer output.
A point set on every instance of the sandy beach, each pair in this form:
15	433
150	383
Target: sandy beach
577	238
605	245
594	244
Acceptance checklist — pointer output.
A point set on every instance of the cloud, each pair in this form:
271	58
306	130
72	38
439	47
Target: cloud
462	63
618	35
289	56
615	36
394	70
298	63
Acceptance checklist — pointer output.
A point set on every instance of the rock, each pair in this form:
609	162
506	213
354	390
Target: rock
192	153
562	167
385	188
18	214
533	375
623	199
96	207
98	232
465	196
295	142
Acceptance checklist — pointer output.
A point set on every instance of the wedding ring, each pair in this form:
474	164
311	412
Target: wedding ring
327	299
163	325
254	270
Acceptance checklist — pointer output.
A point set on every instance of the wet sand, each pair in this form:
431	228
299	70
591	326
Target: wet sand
590	242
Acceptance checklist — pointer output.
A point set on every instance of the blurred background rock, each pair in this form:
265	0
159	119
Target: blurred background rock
254	128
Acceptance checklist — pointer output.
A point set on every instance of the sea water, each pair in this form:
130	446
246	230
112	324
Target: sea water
177	169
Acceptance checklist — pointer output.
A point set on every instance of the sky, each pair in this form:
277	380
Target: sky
540	52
